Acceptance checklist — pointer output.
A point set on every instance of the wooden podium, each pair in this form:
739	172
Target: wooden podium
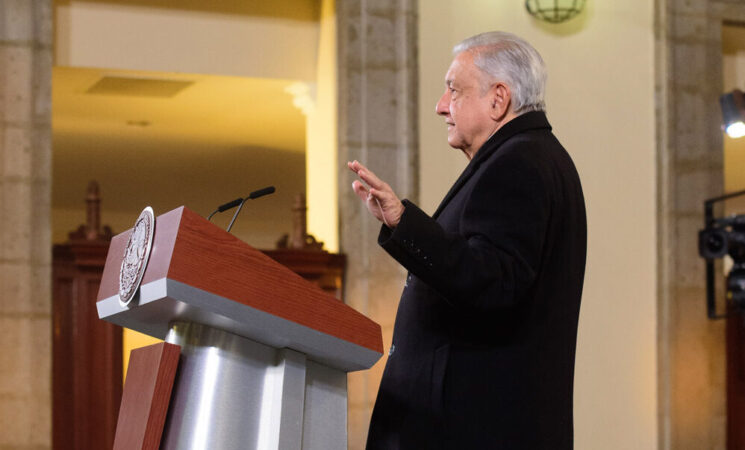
264	353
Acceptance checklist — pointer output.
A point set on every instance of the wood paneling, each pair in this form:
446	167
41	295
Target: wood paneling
87	352
735	380
325	270
147	393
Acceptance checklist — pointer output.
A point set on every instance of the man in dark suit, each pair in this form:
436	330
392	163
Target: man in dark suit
485	335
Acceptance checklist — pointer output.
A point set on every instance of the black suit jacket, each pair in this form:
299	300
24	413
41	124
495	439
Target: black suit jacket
485	334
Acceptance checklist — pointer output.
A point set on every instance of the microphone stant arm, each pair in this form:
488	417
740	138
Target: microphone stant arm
232	221
253	195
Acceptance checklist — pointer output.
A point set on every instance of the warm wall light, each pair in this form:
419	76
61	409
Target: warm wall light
554	11
733	113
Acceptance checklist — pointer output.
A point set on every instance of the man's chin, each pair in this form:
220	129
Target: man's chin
455	143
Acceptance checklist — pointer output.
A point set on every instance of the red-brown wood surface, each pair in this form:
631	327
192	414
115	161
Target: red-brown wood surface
735	380
147	393
87	352
204	256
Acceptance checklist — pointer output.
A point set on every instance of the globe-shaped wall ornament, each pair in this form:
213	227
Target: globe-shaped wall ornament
554	11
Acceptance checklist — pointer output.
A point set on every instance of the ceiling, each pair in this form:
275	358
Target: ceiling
214	111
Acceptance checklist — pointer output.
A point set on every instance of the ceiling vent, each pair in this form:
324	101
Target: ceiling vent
138	87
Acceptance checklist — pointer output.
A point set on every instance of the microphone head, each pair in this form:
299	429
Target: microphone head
261	192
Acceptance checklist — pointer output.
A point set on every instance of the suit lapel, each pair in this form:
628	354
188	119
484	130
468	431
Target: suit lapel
530	120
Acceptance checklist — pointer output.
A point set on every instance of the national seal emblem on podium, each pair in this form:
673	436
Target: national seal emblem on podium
136	255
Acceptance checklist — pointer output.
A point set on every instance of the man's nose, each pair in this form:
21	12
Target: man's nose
441	108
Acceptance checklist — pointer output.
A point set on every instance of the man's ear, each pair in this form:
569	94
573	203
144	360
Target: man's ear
501	101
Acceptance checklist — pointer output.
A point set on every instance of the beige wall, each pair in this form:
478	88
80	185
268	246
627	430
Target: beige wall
600	102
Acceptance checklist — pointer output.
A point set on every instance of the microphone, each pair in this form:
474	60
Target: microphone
260	193
226	206
255	194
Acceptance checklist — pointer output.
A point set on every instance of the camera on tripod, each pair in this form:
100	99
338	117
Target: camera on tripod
721	237
726	236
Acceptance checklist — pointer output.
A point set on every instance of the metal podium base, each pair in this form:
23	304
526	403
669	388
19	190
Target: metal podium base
234	393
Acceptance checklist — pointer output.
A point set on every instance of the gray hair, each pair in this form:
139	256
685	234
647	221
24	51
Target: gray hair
507	58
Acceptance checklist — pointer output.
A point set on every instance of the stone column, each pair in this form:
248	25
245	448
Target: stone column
25	232
692	366
377	59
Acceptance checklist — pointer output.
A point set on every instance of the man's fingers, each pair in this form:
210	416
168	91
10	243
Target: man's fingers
366	174
370	178
385	198
377	193
355	166
360	190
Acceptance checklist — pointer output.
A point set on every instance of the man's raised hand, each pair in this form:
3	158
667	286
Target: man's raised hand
379	198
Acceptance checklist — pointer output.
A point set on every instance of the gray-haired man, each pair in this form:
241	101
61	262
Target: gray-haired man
485	335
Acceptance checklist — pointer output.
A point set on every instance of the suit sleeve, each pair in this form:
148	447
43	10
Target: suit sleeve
492	262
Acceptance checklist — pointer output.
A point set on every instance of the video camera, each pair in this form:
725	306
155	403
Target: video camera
720	237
